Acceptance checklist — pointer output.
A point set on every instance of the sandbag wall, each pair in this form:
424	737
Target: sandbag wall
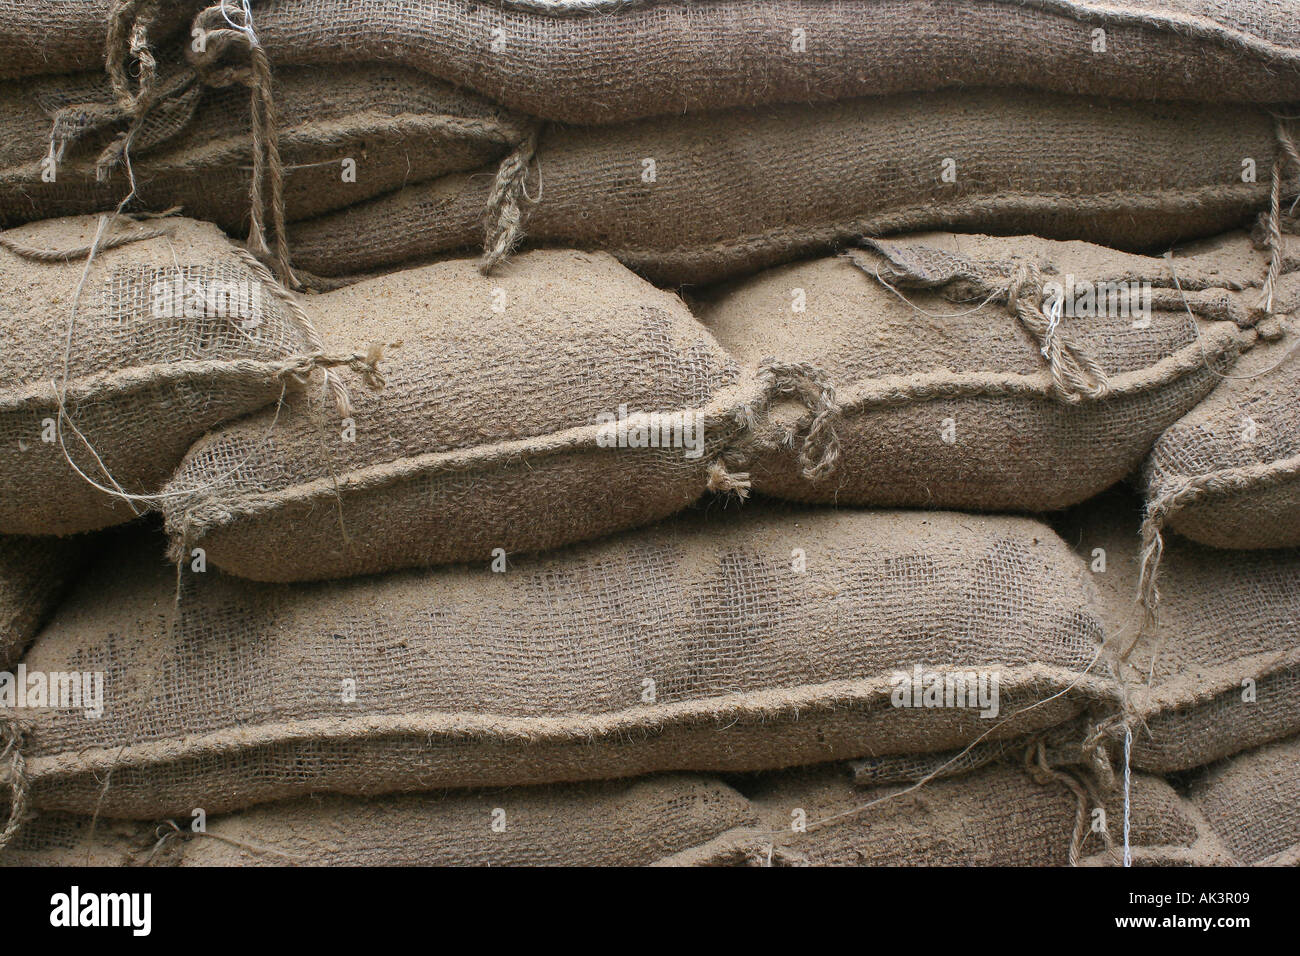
735	432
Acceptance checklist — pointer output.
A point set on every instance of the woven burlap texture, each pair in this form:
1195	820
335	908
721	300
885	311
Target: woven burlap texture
693	645
732	192
34	573
395	125
1226	673
1253	803
945	397
140	375
601	62
1243	444
485	435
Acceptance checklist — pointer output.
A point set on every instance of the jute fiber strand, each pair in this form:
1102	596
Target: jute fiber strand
694	645
1226	673
1253	803
997	816
33	575
599	62
737	191
1240	448
107	368
394	126
487	434
935	345
615	823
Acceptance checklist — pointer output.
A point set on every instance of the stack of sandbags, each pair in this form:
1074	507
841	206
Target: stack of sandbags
532	559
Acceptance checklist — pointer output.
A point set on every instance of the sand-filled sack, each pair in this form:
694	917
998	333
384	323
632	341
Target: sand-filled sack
509	421
117	368
730	641
998	816
1226	667
34	573
1227	474
1253	803
344	135
608	60
955	386
698	198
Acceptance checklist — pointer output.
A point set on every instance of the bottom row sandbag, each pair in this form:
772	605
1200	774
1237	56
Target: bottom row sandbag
997	815
721	642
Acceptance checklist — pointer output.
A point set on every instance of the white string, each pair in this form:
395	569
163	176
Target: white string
1128	775
247	26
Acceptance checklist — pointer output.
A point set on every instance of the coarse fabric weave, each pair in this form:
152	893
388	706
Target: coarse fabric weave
600	62
945	397
1253	803
695	645
168	337
1226	673
486	435
698	198
997	816
34	572
1242	443
345	134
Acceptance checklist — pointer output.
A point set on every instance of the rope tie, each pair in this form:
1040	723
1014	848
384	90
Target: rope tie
266	191
503	217
13	737
364	364
82	252
820	452
1076	376
1043	773
1287	155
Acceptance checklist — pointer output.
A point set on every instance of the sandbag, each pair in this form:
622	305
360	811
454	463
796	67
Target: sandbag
487	434
61	36
609	60
171	331
72	840
997	816
948	389
34	572
698	198
695	645
1253	803
344	135
614	823
601	824
1226	673
1229	470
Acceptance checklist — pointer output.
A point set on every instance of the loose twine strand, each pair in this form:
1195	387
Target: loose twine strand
1076	376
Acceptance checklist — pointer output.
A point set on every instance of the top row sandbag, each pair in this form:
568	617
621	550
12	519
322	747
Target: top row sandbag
600	61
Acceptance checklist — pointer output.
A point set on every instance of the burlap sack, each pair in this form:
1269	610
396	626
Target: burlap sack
394	125
608	60
694	645
1253	803
602	824
997	816
1232	464
34	572
1226	675
486	434
141	371
697	198
60	36
66	839
935	344
617	823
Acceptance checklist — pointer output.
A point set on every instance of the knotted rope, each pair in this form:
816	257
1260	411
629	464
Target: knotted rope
13	736
503	218
222	33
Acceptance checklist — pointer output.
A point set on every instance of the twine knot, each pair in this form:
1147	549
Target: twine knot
820	452
13	737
